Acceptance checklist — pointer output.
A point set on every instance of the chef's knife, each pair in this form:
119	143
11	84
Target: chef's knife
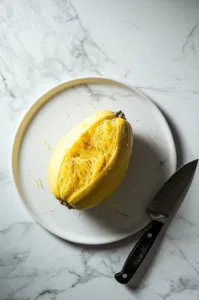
160	208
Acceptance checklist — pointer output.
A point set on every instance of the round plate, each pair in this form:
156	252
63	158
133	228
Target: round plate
50	118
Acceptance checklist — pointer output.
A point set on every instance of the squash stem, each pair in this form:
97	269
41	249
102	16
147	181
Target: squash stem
120	114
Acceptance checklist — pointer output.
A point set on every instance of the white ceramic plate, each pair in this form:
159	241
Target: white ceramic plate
51	117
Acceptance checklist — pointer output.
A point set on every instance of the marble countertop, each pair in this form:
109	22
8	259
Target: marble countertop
153	45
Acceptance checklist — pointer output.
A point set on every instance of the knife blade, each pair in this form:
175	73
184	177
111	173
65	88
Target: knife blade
160	209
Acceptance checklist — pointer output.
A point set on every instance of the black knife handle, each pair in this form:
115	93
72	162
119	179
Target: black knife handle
139	252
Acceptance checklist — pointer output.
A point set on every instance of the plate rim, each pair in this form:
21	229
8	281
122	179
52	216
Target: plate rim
37	105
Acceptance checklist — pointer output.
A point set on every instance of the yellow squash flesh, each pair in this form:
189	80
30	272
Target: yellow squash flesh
90	162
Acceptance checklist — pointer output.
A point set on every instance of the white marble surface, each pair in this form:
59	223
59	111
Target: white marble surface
153	45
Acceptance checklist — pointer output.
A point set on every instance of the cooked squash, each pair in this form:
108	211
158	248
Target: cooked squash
90	162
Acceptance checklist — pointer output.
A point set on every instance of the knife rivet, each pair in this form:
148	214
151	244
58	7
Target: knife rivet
149	235
124	275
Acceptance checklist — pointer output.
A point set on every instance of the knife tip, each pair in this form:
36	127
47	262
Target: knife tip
196	161
193	163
